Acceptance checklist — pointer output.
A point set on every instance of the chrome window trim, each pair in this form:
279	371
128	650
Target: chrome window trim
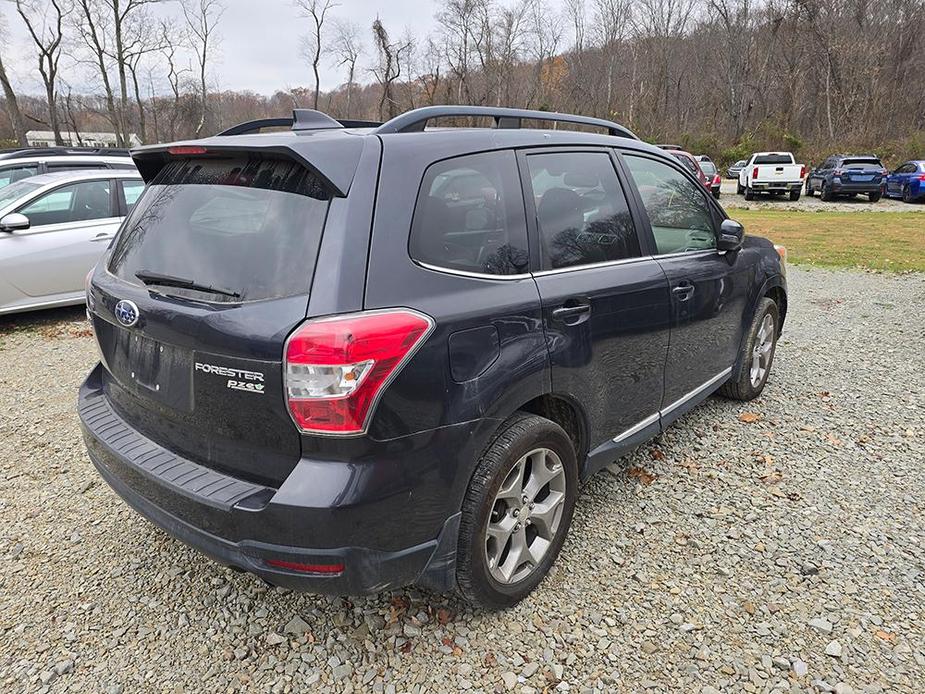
592	266
467	273
696	391
703	251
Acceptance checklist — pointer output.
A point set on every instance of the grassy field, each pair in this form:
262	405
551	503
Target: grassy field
879	240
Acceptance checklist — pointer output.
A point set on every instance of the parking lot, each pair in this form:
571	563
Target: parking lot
773	545
730	200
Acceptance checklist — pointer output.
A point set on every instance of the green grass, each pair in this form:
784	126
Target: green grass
893	241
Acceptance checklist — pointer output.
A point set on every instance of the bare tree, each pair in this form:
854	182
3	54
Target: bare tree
348	46
201	18
316	11
389	68
12	103
44	20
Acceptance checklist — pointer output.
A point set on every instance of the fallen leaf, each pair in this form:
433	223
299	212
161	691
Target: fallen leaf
749	606
834	440
749	417
444	616
490	660
885	635
644	478
773	477
405	647
657	454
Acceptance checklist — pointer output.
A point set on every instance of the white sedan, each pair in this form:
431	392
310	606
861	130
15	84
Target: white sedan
53	230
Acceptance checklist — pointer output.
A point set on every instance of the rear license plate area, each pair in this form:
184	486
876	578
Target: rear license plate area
153	369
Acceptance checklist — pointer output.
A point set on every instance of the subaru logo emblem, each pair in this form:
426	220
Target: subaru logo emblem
126	313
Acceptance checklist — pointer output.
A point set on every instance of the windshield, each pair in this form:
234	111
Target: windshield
862	163
774	159
13	192
249	226
740	163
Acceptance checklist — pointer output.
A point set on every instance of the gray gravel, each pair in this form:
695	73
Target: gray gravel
775	545
730	200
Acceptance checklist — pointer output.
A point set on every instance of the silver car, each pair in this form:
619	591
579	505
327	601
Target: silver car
54	228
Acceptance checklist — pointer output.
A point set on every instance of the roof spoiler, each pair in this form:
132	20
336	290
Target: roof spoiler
302	119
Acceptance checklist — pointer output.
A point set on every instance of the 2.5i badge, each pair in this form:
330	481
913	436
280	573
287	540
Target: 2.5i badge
238	379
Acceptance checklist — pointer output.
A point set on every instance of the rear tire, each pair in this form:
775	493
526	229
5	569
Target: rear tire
825	194
749	195
716	194
757	356
739	188
873	197
533	458
794	195
907	195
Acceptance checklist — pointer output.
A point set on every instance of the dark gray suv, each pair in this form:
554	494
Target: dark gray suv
350	357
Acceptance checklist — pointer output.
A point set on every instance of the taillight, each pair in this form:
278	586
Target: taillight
755	172
91	302
803	171
328	569
338	367
717	180
182	150
922	177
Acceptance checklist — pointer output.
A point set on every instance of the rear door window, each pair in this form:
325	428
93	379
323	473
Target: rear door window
250	226
469	216
582	216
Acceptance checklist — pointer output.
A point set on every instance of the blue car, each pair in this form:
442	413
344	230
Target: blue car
906	182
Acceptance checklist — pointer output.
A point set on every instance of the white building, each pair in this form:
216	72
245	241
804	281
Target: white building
46	138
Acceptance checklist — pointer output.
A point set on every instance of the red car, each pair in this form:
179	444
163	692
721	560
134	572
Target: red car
709	169
689	161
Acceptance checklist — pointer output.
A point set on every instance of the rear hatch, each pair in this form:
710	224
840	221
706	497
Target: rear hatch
205	281
862	170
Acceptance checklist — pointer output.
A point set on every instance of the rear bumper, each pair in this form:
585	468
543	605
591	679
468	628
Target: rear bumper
866	187
763	186
243	525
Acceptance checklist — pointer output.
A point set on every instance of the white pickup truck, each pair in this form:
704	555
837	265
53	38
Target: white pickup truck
775	173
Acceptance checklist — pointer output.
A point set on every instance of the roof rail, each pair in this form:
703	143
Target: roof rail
302	119
671	148
416	120
25	152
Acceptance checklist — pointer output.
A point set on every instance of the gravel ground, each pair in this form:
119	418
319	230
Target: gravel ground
729	200
775	545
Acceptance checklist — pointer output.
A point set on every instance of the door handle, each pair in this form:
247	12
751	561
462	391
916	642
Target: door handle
683	291
103	236
572	314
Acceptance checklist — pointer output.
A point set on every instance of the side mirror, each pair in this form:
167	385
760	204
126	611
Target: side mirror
14	222
731	234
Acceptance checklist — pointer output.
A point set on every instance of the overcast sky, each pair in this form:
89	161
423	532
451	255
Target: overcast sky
260	46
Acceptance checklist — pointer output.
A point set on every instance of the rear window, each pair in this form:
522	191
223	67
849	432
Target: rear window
774	159
686	160
862	163
708	167
247	226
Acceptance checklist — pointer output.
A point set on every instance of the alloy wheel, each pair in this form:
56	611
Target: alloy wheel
526	516
761	353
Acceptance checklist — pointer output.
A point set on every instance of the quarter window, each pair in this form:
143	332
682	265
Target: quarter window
581	212
71	203
469	216
131	191
678	211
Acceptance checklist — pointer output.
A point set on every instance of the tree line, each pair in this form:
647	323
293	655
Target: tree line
716	76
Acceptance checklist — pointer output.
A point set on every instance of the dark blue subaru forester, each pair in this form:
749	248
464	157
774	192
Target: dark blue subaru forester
349	357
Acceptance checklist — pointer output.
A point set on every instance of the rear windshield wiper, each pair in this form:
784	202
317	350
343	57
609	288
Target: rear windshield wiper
170	281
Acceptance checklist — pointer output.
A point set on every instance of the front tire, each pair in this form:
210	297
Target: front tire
516	512
757	356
